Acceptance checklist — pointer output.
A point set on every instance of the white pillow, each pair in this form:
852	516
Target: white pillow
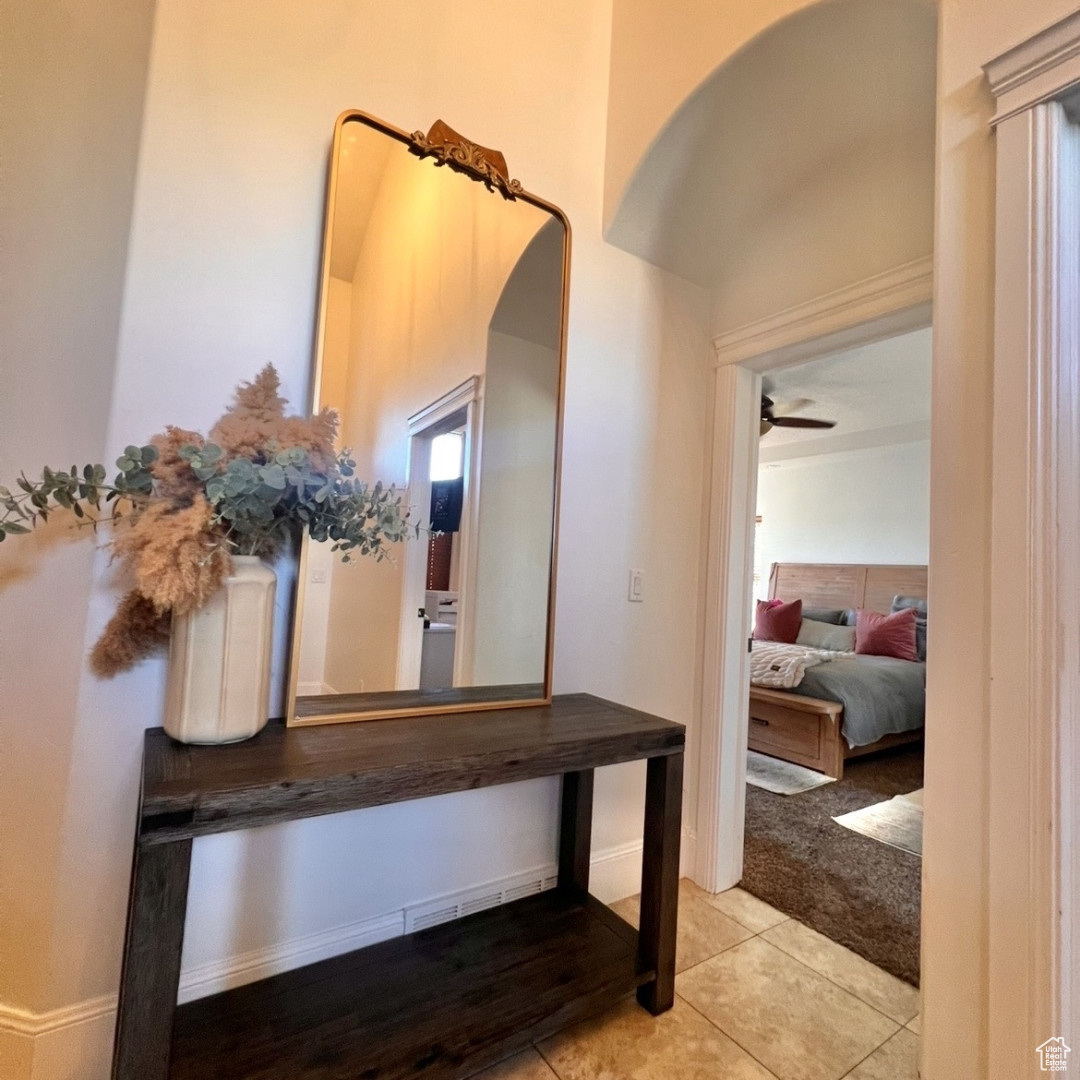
823	635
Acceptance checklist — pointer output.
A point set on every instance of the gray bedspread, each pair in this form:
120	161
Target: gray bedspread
881	696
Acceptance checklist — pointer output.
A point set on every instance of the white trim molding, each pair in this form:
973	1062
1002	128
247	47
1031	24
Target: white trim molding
729	577
452	401
867	311
1036	70
1035	579
843	319
1034	761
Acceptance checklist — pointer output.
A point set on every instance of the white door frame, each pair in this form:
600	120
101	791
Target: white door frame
423	427
1034	749
880	307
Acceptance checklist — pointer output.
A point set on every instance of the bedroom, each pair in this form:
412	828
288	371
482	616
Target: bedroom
842	522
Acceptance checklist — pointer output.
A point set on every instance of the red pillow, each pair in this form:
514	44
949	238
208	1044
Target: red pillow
777	621
886	635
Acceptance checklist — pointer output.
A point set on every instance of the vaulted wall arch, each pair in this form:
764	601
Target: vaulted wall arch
801	161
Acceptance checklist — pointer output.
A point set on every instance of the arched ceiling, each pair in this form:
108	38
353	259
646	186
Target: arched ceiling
530	306
840	89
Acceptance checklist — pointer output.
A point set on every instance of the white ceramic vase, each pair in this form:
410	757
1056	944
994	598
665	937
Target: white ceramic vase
218	684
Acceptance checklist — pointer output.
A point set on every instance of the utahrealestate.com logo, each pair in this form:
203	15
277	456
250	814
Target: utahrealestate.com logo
1052	1055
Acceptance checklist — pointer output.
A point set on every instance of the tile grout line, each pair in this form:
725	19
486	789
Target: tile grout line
791	918
840	986
543	1057
872	1053
713	1023
842	989
900	1027
760	934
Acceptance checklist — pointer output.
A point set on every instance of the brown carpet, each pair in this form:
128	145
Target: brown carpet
854	890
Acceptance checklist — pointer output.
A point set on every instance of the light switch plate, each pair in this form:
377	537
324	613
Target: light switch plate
636	592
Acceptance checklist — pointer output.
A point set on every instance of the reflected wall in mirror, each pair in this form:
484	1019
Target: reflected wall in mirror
440	342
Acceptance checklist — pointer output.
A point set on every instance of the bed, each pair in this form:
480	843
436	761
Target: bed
797	726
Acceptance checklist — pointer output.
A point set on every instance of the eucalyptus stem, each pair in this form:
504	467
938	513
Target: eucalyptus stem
261	480
79	491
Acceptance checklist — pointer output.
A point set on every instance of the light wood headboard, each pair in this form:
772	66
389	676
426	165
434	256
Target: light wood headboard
846	585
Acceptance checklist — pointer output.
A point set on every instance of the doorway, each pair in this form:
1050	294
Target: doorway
874	310
434	648
833	830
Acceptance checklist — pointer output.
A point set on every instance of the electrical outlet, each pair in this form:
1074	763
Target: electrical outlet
636	592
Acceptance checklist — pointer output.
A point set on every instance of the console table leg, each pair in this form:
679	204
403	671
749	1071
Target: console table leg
660	880
575	830
151	972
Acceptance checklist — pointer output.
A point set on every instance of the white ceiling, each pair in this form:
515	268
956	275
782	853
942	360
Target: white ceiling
878	394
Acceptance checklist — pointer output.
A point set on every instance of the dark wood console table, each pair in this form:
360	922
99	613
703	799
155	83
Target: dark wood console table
441	1002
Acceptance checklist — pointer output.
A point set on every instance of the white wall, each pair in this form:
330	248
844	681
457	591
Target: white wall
221	278
866	506
515	520
70	114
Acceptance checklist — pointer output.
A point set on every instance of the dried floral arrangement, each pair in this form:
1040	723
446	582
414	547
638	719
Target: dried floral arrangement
183	505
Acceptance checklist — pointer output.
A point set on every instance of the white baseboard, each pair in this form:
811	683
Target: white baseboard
314	689
74	1042
220	975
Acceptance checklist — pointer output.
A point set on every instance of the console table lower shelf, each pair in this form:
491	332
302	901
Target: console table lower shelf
432	1003
438	1004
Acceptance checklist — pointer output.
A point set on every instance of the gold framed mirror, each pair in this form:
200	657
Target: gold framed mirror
441	343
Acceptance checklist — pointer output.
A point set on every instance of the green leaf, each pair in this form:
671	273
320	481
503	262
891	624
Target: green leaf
15	528
273	476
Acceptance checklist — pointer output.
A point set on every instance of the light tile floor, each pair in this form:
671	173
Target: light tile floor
759	996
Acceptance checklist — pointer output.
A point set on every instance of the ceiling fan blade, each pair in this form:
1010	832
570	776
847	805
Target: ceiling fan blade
801	422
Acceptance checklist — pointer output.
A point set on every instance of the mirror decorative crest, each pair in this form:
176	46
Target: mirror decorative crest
441	344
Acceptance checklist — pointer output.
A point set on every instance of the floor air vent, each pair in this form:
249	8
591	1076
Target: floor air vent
458	905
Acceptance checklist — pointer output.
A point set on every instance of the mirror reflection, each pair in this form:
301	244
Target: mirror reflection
440	346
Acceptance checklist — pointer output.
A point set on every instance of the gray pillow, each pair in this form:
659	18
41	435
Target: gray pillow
919	604
823	635
829	615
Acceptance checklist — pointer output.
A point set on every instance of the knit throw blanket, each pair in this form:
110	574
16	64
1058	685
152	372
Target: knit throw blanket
782	667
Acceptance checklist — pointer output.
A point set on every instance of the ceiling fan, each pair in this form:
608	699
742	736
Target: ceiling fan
770	418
